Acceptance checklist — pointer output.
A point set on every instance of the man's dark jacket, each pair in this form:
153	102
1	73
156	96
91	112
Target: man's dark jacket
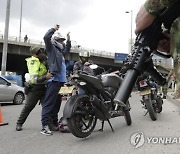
54	53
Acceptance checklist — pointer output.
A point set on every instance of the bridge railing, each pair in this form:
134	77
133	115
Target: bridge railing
17	40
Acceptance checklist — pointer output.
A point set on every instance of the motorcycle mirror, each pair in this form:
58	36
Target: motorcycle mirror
93	66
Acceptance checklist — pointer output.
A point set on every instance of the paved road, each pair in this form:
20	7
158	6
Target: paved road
30	141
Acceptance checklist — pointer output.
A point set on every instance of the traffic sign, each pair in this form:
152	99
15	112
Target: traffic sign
120	56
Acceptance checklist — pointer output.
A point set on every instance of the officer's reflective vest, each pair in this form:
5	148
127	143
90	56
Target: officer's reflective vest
35	68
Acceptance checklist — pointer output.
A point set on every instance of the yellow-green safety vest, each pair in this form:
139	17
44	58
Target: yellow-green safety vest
35	68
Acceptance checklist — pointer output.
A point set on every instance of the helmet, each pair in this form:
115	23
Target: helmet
84	56
58	36
36	50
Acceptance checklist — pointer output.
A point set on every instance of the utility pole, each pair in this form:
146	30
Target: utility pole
5	44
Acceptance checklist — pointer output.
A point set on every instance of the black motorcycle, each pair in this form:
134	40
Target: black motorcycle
151	100
83	110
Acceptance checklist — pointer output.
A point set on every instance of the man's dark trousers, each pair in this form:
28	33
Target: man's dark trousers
52	103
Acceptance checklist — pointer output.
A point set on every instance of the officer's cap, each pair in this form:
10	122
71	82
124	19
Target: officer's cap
36	50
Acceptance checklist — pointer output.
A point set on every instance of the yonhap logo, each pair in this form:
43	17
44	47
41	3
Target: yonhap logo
137	139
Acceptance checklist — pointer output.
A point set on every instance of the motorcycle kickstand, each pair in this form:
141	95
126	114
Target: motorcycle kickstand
102	126
145	113
110	125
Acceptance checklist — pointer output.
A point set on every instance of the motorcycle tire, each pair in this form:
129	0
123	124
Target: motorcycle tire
83	121
127	115
159	104
159	110
151	109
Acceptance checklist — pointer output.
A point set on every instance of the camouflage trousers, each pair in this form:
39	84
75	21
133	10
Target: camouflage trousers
175	53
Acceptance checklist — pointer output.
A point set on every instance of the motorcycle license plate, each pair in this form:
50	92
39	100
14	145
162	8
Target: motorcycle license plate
145	92
66	90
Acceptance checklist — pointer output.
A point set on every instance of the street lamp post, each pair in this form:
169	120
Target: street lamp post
20	21
131	41
5	44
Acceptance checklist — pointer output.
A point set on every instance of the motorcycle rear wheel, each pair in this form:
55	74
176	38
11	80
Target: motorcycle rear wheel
83	121
151	109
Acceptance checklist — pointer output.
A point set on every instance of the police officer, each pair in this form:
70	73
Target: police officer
146	16
37	77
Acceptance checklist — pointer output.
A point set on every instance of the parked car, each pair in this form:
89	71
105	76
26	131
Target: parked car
10	93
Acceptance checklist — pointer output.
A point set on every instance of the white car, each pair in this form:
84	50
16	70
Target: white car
10	93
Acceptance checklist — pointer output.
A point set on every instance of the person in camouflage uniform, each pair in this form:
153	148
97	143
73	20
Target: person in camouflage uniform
146	16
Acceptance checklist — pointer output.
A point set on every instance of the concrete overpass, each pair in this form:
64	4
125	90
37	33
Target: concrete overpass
18	51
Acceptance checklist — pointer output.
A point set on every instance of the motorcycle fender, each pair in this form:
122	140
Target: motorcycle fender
146	97
69	107
159	100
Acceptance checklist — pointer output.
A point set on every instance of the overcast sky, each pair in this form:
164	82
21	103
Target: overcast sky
95	24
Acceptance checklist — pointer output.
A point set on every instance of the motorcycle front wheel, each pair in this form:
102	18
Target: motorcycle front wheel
127	115
83	121
151	109
159	104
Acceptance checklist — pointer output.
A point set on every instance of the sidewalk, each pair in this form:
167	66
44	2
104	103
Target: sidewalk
171	99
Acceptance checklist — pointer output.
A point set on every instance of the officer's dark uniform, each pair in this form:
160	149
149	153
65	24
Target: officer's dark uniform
37	71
